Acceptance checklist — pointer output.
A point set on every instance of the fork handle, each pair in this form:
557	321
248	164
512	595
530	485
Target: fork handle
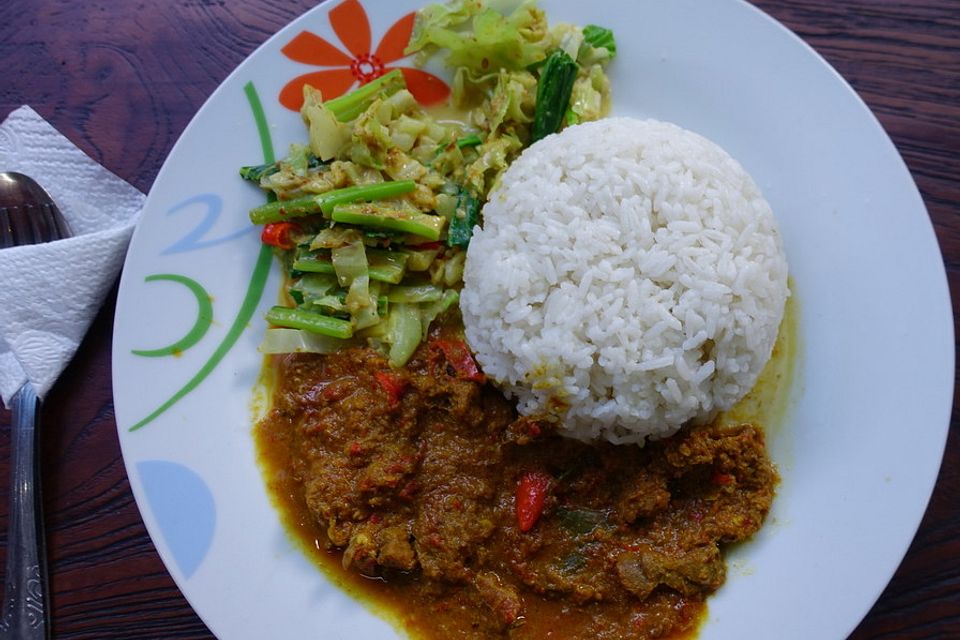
25	614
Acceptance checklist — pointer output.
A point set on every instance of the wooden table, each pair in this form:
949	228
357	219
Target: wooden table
122	79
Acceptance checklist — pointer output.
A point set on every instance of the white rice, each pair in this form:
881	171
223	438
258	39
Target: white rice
629	278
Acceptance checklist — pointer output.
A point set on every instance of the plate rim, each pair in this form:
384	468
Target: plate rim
929	231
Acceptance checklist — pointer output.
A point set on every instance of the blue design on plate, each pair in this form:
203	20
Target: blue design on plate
195	240
183	508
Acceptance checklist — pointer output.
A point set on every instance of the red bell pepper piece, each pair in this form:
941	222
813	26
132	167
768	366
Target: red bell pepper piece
280	234
392	384
460	358
531	496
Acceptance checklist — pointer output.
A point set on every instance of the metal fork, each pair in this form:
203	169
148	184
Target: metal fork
28	215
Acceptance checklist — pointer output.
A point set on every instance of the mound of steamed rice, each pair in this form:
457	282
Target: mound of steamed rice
629	278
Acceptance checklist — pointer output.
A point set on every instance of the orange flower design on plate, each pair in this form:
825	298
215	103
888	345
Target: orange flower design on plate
350	23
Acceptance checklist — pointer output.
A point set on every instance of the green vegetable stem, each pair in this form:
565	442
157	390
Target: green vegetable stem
309	321
553	94
349	106
420	224
325	202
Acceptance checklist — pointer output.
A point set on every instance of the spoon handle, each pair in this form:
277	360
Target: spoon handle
24	614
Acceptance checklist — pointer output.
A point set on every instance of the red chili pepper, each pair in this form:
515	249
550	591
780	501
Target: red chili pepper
279	234
460	358
531	495
392	384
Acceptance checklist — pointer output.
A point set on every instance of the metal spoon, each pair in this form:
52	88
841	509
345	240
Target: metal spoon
28	215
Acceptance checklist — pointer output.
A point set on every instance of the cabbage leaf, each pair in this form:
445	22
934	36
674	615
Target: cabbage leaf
480	38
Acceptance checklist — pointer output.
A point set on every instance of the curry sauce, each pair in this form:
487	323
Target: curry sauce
414	477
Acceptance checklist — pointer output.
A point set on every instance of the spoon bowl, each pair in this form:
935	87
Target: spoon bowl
28	215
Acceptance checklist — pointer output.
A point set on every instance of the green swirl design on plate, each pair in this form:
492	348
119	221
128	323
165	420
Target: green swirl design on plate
200	327
258	279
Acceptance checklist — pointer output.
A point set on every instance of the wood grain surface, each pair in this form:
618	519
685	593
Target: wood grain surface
122	79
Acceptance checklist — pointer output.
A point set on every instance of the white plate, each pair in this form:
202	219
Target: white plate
865	436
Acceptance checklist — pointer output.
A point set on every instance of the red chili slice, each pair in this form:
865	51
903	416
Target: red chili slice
392	384
460	358
531	495
280	234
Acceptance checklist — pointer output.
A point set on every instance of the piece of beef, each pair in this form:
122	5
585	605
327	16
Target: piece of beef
688	572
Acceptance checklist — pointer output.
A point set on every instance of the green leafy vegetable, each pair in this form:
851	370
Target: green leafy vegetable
468	141
553	94
430	310
311	286
404	333
327	135
361	302
415	293
600	38
479	38
313	262
387	266
421	259
350	261
255	172
579	520
297	341
386	195
589	94
464	219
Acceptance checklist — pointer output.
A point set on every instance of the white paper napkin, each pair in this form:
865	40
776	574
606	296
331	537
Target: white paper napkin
49	293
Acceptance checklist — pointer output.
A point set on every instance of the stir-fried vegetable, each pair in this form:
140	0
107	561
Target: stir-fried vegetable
553	93
297	341
469	141
405	221
372	217
351	105
465	217
326	202
600	38
479	38
310	321
256	172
